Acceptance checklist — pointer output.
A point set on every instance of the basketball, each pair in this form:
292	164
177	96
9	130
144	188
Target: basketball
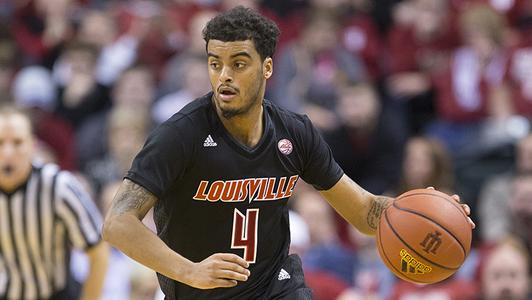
424	236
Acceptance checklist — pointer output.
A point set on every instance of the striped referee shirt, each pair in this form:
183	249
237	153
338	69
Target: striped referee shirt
39	222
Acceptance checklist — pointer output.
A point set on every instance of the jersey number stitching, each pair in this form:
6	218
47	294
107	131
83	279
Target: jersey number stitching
245	233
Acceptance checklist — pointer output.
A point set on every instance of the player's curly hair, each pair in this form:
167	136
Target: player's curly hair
240	24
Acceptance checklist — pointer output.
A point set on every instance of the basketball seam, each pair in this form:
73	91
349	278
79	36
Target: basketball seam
388	259
454	203
441	226
413	250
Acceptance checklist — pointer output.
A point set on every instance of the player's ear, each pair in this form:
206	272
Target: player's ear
267	67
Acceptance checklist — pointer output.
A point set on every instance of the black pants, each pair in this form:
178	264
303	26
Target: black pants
289	283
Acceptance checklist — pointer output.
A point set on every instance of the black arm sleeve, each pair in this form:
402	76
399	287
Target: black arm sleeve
162	160
320	168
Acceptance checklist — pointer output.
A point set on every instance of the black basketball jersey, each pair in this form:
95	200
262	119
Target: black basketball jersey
217	195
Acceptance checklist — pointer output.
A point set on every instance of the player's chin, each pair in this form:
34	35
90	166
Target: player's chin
228	104
229	112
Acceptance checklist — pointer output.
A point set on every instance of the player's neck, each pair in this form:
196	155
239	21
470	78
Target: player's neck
246	128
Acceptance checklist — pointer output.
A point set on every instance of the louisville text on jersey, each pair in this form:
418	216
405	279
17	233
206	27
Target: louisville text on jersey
250	189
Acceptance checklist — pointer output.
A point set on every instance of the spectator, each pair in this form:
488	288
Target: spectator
521	208
310	70
41	27
8	62
196	83
495	218
148	22
469	90
173	76
135	89
419	44
80	94
426	163
372	279
34	89
504	273
368	141
126	130
519	73
117	51
360	36
299	233
329	266
452	289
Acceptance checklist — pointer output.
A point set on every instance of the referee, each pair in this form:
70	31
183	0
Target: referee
43	212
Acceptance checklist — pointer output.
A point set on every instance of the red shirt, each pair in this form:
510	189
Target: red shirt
463	88
519	75
360	37
409	54
452	289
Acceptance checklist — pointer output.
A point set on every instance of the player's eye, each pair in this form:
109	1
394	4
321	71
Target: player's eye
240	65
214	65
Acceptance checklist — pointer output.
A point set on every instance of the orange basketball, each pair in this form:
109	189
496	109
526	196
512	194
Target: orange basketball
424	236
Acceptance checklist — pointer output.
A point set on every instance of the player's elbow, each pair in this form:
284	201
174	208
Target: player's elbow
110	228
368	231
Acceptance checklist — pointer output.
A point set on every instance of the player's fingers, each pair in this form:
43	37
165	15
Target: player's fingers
456	198
234	267
225	283
232	275
234	258
466	209
473	225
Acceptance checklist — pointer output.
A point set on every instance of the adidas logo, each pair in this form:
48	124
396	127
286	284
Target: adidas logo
283	275
209	142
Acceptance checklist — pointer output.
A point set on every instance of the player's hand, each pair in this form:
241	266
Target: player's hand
465	207
218	270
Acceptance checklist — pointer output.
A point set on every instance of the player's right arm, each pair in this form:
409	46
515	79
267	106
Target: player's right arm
123	228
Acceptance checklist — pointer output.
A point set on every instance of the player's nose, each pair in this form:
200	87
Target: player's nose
226	75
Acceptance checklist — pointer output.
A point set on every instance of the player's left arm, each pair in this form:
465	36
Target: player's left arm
361	208
357	206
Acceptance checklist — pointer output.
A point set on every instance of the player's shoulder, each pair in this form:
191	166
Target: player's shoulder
191	114
286	117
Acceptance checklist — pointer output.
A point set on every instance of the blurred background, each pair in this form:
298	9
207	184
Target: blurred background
408	94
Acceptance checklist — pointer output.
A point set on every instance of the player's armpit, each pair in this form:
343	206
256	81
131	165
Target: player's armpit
133	199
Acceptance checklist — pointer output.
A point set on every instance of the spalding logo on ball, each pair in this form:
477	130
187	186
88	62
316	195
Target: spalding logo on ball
424	236
285	146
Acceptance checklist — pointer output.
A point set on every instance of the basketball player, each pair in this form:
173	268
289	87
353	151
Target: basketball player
219	173
43	211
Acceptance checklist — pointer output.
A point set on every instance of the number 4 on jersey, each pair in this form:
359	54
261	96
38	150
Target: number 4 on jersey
245	233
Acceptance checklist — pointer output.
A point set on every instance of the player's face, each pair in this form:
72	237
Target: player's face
16	150
238	76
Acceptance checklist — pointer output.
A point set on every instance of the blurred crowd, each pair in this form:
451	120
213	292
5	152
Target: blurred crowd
408	94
